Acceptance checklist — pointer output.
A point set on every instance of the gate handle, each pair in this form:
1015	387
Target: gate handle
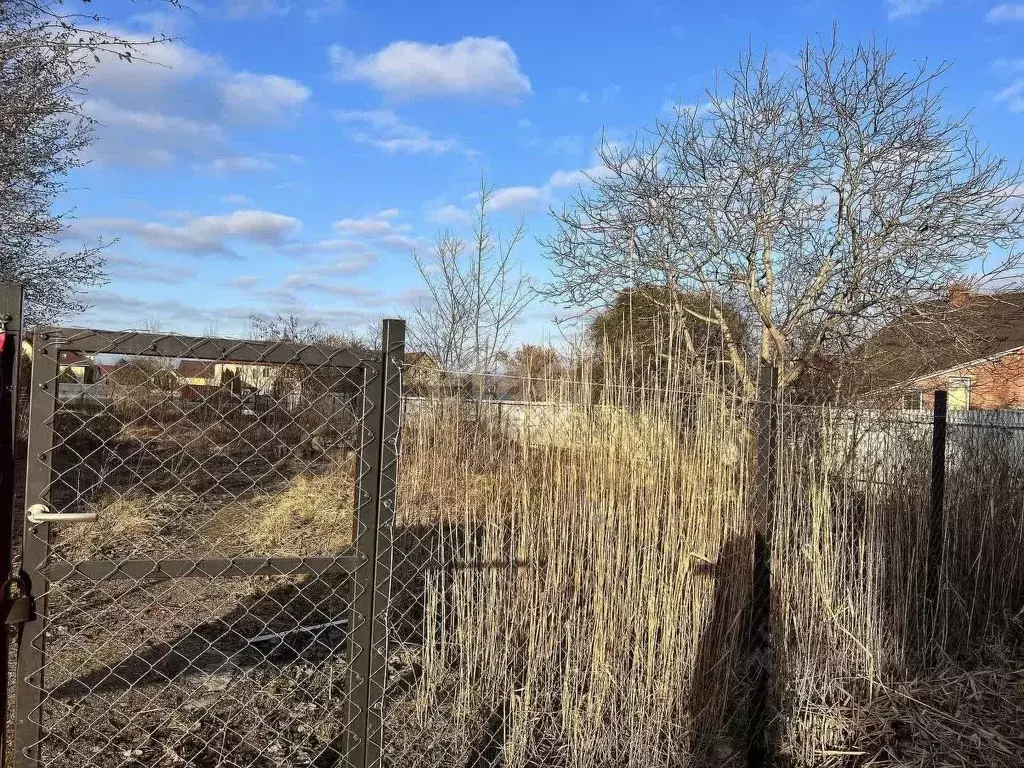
40	513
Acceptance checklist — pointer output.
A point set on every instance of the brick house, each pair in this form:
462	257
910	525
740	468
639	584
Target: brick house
973	348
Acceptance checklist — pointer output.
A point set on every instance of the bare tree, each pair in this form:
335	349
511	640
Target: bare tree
46	51
821	202
477	293
296	328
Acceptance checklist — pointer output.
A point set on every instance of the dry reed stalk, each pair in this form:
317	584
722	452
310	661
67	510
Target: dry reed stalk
591	566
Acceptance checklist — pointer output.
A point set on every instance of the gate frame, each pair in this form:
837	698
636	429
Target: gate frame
12	301
377	456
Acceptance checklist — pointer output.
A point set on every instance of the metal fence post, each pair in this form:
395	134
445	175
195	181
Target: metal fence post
759	751
936	520
393	357
28	729
376	496
11	302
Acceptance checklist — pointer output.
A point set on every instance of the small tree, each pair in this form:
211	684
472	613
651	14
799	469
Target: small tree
659	332
45	53
536	372
820	203
477	293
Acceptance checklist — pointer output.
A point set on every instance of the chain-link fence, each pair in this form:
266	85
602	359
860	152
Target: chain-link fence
578	571
200	543
589	573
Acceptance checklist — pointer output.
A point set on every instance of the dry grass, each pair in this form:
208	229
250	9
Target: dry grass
312	515
571	586
121	523
585	599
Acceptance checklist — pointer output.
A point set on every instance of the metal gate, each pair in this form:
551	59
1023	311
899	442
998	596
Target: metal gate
207	542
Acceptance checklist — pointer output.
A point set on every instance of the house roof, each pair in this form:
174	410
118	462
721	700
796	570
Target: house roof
937	337
196	369
70	357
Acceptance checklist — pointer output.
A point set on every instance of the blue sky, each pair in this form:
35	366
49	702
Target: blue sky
285	156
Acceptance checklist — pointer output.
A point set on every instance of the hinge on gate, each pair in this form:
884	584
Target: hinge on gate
21	608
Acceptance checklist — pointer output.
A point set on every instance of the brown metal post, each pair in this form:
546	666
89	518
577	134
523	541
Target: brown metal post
375	500
361	610
11	303
391	412
28	727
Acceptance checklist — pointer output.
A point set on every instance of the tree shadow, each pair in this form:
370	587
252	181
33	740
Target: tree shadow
718	699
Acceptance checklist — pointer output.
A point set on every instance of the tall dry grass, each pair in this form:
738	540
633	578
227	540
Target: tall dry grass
575	579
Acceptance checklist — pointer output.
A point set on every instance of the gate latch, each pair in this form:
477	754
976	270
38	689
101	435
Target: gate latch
20	608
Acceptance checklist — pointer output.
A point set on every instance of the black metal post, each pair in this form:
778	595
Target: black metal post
11	301
759	748
936	521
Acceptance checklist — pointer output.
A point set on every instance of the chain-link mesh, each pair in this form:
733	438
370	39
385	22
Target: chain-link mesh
575	579
579	571
204	611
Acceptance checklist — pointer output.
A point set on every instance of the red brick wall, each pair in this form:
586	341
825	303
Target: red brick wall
995	384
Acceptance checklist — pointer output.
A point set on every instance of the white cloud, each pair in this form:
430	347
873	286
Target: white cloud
380	229
397	242
155	68
136	270
522	198
904	9
324	9
1008	65
147	138
610	93
449	214
262	161
316	276
241	163
235	199
562	179
255	9
256	99
242	281
472	66
526	198
330	245
175	103
112	116
203	234
113	309
1006	12
1013	96
369	226
384	129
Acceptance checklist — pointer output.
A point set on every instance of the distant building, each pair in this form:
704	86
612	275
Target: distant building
72	368
974	350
